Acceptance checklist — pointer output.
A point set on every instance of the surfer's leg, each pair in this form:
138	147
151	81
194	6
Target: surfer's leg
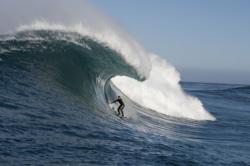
122	107
119	110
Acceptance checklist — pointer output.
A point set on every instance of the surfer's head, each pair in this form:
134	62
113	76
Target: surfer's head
119	97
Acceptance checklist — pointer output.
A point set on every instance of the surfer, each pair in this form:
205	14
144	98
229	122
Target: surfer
121	107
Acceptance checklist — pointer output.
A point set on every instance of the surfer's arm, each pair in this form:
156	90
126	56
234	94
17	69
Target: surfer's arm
114	101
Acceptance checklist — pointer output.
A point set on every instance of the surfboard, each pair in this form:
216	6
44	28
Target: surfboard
114	109
122	117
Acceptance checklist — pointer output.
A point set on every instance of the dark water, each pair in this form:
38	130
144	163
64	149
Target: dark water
53	110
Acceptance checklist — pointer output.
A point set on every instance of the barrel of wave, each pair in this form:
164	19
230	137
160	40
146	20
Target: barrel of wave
162	92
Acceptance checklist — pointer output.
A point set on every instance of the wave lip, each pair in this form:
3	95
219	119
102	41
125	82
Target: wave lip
128	48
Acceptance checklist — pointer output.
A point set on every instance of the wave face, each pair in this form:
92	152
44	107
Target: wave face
79	64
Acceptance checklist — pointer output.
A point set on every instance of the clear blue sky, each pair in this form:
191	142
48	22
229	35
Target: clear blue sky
207	41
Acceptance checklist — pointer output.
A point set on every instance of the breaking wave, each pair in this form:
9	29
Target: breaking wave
100	65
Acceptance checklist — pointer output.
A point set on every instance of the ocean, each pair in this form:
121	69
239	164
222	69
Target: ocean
55	93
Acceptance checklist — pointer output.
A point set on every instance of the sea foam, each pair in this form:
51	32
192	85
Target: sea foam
162	92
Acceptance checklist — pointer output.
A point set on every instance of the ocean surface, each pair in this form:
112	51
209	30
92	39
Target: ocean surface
55	89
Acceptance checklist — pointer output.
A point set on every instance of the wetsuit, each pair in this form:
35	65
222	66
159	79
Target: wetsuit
121	107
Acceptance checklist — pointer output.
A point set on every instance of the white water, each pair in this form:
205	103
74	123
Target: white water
161	91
